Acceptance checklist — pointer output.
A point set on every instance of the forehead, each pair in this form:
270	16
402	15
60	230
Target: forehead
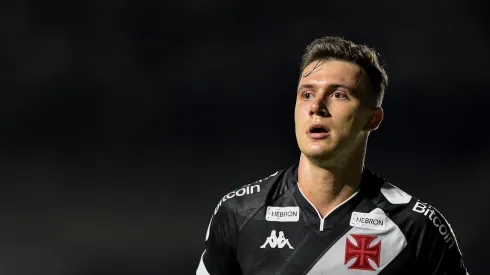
332	72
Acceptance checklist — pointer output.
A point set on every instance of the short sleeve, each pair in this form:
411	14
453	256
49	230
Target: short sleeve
219	256
439	252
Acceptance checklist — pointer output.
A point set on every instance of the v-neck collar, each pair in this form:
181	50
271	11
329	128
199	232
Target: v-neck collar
313	217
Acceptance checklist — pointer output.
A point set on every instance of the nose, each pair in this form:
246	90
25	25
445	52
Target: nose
319	108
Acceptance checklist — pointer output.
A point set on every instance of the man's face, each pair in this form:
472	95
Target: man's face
331	113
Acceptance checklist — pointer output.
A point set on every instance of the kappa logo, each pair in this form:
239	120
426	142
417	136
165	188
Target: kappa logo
362	252
274	241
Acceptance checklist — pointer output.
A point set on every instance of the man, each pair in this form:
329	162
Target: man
332	214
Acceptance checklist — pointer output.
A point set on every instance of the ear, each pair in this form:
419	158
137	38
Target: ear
374	120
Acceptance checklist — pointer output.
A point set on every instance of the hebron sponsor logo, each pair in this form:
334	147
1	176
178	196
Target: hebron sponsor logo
437	220
282	214
368	220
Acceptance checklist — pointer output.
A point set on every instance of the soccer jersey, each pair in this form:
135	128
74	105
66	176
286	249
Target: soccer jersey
270	227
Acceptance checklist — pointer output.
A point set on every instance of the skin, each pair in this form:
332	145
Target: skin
335	94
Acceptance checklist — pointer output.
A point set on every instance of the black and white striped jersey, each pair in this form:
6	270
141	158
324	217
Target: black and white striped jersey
270	227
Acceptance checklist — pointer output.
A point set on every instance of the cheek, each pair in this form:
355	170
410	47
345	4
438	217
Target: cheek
346	118
300	112
353	122
300	117
303	108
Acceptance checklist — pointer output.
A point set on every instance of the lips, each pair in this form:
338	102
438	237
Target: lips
318	131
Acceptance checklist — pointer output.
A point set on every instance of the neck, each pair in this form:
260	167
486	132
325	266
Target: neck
327	187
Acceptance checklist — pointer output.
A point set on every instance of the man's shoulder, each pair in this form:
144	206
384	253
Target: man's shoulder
414	215
394	200
254	195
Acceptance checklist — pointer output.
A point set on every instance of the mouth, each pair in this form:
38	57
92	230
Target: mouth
318	131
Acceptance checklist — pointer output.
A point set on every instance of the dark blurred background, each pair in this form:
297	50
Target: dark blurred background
124	122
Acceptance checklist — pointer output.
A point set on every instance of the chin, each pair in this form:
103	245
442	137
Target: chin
317	152
324	155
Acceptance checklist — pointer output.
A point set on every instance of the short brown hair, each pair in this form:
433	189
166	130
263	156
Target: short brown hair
331	47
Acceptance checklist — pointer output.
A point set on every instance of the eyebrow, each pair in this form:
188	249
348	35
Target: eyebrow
306	86
311	86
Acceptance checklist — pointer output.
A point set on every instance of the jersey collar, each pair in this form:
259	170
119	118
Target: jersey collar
368	190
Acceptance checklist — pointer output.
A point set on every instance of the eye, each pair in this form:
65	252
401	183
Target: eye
307	95
339	95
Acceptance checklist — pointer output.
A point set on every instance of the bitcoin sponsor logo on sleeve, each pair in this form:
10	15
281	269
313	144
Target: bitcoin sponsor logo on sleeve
245	190
436	219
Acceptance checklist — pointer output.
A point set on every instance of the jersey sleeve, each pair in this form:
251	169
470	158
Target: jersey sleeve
219	256
439	253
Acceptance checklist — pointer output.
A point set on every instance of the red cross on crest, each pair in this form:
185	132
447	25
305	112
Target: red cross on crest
362	252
